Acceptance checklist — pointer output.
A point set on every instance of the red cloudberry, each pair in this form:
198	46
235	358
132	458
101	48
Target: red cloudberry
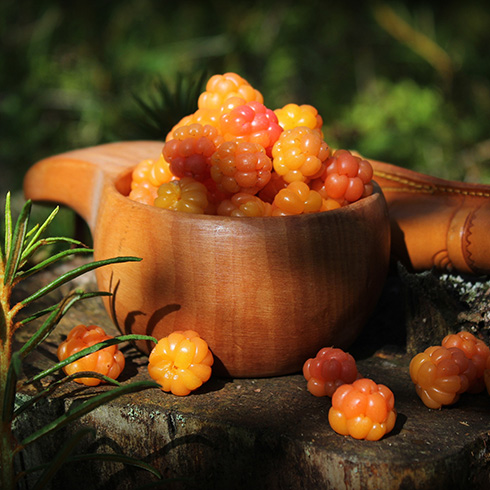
251	122
474	349
189	151
275	184
328	370
347	177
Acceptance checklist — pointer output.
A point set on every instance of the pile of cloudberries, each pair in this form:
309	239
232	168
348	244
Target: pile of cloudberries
236	157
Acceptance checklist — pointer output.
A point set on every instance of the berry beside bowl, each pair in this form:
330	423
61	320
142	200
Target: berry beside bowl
266	293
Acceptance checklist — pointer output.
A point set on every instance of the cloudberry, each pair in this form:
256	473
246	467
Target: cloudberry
234	144
209	117
152	172
296	198
318	185
180	362
251	122
187	195
108	361
242	204
347	177
200	116
299	154
441	375
329	204
147	176
293	115
474	349
240	167
219	88
144	194
329	369
363	410
189	151
215	195
275	184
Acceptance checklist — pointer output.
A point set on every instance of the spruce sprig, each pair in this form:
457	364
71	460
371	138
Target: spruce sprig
18	245
162	109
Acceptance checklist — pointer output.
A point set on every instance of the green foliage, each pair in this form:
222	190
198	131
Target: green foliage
19	244
403	122
68	72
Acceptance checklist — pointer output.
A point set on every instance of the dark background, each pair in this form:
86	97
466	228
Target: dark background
404	82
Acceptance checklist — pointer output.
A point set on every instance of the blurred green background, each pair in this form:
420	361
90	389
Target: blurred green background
404	82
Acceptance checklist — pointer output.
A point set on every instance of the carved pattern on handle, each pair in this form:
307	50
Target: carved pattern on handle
410	185
444	224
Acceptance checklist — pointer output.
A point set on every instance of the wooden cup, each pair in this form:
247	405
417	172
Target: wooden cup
265	293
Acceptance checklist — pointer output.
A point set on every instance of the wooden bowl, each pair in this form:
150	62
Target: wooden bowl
265	293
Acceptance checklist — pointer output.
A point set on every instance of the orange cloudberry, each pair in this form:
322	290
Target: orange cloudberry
363	410
181	362
299	154
187	195
242	204
219	88
296	198
146	177
441	375
293	115
209	117
240	167
108	361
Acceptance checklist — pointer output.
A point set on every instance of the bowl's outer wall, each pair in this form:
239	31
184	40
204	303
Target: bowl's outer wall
265	293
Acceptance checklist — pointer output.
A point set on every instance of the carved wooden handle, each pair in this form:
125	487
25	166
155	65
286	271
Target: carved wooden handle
77	178
436	222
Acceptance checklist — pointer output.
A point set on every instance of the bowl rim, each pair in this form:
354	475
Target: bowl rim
121	188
